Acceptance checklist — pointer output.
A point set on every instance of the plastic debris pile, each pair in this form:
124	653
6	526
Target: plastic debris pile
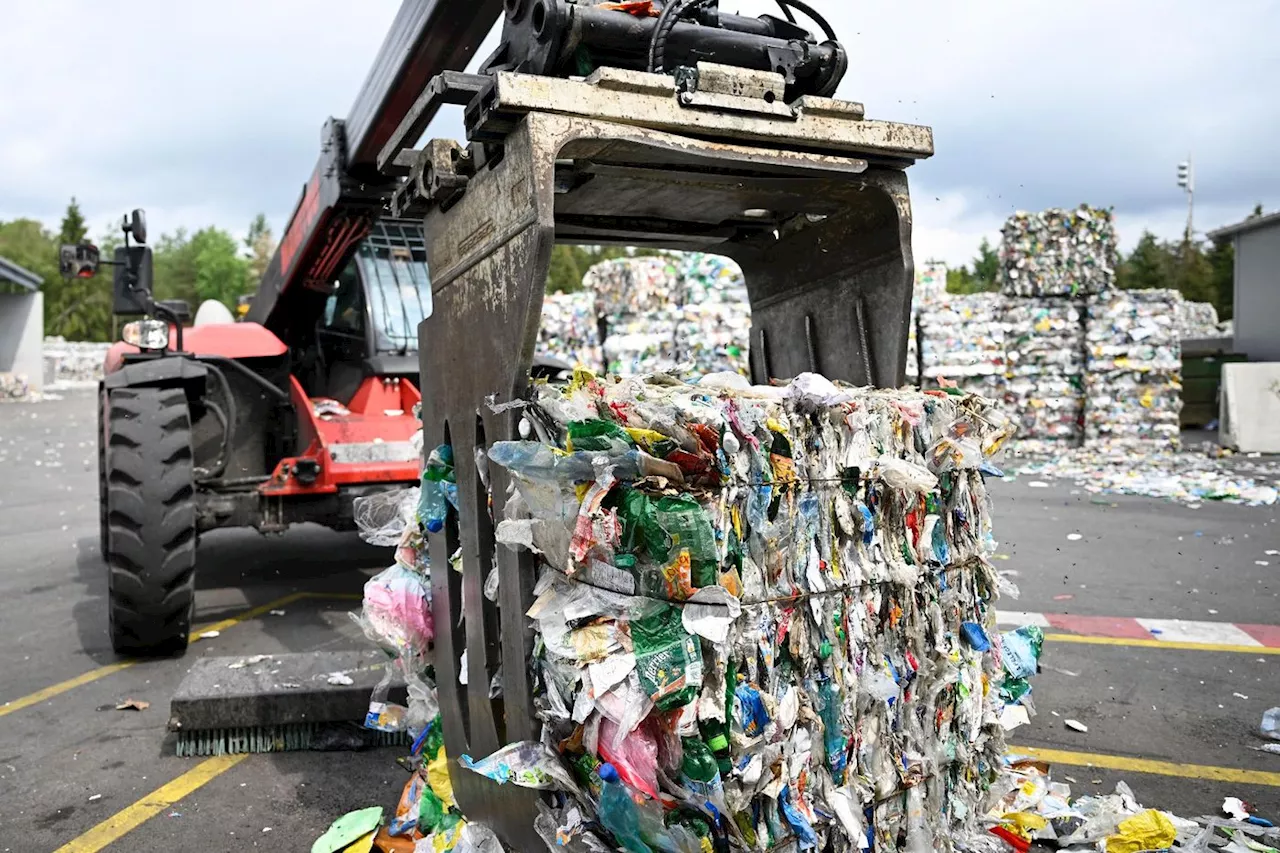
396	616
569	330
687	311
72	364
13	387
1058	253
1038	809
1133	380
1187	476
764	614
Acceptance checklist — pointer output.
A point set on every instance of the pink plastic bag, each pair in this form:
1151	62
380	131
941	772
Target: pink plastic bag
635	758
397	611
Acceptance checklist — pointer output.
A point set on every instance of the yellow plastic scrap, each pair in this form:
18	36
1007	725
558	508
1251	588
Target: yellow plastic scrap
447	839
1023	824
363	844
581	378
1150	830
438	779
646	438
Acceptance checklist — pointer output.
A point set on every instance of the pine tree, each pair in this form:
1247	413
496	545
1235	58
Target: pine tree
73	229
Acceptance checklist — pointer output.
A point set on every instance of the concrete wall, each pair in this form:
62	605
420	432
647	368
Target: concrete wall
22	336
1257	293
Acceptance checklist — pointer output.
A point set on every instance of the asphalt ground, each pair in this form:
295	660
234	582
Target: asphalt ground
1176	724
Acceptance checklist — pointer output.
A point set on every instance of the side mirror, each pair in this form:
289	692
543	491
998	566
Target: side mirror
132	283
78	261
136	225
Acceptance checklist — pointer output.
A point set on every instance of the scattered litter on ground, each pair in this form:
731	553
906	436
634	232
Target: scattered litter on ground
1074	537
277	612
348	829
340	679
1271	724
1076	725
249	661
133	705
1038	809
1038	484
1063	597
1187	475
93	798
209	635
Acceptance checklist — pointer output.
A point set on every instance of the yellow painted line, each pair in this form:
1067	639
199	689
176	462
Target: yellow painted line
1162	644
1147	765
62	687
103	671
253	613
125	821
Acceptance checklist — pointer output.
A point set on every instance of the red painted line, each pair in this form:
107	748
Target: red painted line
1268	635
1099	626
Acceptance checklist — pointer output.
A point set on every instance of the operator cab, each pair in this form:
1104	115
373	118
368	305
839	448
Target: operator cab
370	322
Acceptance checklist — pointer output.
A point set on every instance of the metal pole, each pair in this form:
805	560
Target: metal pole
1191	197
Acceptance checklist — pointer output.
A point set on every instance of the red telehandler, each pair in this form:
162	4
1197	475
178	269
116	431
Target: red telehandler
307	404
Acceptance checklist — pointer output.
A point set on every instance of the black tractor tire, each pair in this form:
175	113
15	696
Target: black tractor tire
103	530
151	520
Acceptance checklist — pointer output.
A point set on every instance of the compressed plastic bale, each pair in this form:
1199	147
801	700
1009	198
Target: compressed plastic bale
676	311
1045	358
1133	380
1197	320
850	530
962	340
570	330
1058	252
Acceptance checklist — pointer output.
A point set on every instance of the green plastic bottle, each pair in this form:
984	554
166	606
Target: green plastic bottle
701	772
716	737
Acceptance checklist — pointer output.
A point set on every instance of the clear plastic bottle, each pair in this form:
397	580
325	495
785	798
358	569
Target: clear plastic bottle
1271	724
619	813
432	506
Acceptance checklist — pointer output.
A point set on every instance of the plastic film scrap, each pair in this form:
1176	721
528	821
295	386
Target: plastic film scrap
764	615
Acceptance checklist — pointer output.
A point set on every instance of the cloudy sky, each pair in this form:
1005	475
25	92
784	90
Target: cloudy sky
207	113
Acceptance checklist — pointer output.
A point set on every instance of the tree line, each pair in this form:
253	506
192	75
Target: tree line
207	264
1201	270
